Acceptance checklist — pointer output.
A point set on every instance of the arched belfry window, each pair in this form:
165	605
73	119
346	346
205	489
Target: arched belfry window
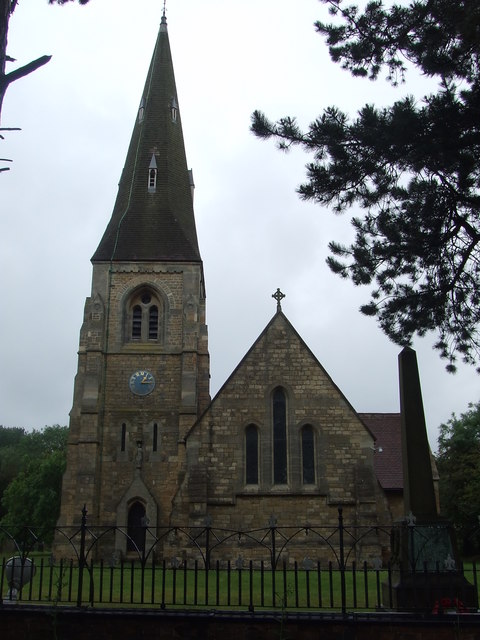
251	454
279	415
308	454
144	317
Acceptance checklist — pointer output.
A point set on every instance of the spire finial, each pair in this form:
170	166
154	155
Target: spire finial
278	295
164	13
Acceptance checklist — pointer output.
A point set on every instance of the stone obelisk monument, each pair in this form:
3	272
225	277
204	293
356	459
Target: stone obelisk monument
424	560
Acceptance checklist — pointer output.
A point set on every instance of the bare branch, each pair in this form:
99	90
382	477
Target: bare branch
8	78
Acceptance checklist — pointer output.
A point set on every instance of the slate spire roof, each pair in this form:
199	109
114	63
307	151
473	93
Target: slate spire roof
153	217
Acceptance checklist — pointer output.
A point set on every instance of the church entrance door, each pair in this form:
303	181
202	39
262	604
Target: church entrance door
136	527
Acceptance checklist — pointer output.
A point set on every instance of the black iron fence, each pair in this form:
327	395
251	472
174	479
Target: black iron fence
177	567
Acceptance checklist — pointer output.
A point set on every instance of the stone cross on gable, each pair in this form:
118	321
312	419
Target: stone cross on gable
278	295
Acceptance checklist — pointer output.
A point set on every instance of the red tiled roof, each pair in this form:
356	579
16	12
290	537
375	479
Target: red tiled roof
387	460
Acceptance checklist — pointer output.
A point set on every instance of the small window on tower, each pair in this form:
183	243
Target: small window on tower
174	110
141	110
152	175
152	179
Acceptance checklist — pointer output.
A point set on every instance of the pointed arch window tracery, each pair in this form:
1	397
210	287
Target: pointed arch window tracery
144	317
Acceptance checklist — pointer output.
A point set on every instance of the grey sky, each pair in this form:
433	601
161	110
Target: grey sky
255	234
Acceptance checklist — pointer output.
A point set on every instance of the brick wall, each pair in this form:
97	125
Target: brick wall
22	622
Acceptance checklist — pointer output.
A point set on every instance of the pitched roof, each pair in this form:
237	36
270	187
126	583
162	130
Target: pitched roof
387	461
278	320
154	224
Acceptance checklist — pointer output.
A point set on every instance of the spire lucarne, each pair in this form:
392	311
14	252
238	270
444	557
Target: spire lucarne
153	214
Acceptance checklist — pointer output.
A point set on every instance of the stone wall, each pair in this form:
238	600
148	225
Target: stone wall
46	623
125	447
215	483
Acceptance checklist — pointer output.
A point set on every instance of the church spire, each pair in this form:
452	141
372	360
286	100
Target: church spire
153	217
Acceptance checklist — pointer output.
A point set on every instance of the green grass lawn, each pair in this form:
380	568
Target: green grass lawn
130	585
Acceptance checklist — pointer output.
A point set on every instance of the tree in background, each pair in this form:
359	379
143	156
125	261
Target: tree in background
458	464
7	7
414	168
32	496
10	462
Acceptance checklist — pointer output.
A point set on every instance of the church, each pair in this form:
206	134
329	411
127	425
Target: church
147	443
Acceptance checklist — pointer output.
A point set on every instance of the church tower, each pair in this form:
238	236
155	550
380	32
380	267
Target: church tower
143	365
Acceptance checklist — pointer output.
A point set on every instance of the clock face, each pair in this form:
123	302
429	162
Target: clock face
141	383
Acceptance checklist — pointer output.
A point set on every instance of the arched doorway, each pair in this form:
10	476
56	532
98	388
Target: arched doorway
136	527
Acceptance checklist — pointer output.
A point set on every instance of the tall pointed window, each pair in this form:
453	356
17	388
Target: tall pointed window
251	454
144	317
279	413
308	454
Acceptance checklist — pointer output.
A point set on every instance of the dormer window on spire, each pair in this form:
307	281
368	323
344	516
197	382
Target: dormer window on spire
152	175
141	110
174	109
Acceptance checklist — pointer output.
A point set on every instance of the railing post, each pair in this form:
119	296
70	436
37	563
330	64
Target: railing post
272	523
208	526
81	557
273	559
342	561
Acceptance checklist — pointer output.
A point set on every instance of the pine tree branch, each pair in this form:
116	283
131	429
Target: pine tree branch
8	78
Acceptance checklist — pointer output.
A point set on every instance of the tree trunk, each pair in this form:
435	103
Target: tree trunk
6	9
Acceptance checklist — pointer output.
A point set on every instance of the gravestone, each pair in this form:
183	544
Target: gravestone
19	572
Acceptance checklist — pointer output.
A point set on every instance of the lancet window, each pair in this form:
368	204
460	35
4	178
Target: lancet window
279	415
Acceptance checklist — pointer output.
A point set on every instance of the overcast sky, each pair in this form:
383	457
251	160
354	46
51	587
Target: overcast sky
255	234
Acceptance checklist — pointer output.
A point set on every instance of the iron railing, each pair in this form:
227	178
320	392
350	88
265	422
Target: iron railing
152	574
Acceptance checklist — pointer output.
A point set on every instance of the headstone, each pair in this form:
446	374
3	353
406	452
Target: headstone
19	572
